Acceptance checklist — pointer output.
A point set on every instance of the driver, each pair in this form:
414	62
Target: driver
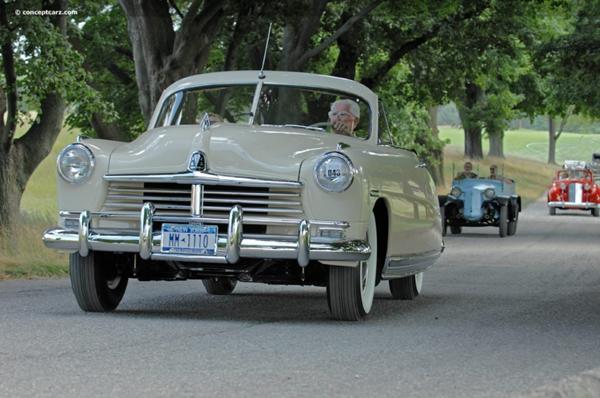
344	116
467	172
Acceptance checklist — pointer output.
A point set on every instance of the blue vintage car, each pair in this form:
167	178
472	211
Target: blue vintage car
479	202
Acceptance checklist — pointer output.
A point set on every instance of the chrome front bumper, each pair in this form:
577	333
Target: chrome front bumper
573	205
230	247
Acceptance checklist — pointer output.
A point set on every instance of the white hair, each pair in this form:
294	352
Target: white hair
354	108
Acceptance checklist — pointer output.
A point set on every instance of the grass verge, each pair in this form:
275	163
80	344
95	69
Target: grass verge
23	254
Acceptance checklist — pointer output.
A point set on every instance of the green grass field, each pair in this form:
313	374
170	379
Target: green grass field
533	144
23	255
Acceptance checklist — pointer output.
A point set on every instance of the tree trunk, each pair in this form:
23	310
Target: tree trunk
473	95
20	157
437	170
163	55
10	190
551	140
496	143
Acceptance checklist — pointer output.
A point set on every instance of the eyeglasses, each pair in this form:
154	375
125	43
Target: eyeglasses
339	113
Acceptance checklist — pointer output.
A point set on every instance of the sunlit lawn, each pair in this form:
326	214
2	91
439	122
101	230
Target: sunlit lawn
533	144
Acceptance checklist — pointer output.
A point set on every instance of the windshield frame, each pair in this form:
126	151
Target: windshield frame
279	78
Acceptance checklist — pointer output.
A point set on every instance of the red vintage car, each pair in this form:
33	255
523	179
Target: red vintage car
574	188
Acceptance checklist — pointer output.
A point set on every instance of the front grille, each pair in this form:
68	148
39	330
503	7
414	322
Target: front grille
170	199
575	192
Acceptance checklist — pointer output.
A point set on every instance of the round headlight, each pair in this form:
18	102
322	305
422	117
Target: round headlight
455	191
489	193
75	163
563	186
334	172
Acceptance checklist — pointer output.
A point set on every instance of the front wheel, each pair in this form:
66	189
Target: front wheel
512	225
596	212
98	280
503	222
552	211
350	290
455	229
406	288
444	222
219	286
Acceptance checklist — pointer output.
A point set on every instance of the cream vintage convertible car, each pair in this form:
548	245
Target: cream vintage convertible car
241	177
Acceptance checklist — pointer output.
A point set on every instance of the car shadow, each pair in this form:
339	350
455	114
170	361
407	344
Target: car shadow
256	307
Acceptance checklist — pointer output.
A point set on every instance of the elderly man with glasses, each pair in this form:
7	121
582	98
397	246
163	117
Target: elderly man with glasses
344	116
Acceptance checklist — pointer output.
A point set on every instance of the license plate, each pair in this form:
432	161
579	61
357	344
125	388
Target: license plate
189	239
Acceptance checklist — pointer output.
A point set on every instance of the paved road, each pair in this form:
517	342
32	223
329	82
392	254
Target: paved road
497	317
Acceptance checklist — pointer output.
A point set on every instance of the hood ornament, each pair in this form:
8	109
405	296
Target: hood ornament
205	122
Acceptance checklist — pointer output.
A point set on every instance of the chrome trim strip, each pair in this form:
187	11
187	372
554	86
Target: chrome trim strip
209	192
84	231
146	230
138	207
399	267
303	243
111	198
198	177
234	235
140	190
253	201
253	209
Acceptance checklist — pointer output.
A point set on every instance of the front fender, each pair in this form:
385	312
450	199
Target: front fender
352	205
89	195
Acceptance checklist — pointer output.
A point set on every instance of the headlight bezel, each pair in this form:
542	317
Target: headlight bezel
489	193
91	159
334	154
456	192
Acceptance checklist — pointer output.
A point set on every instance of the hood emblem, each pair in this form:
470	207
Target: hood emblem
197	162
205	122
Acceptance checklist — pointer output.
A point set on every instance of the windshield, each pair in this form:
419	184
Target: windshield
311	109
571	174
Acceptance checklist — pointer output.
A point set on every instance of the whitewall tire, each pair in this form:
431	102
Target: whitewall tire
351	290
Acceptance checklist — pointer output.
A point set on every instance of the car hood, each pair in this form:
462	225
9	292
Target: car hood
237	150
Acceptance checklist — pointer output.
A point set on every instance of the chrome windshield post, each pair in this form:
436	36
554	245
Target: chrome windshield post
234	234
255	101
146	230
84	232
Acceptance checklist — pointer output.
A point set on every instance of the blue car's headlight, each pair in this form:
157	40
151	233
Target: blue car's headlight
455	191
489	193
75	163
334	172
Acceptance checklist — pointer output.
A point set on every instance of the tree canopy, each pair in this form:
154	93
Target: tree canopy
110	62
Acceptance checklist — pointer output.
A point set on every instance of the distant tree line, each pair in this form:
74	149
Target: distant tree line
105	67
